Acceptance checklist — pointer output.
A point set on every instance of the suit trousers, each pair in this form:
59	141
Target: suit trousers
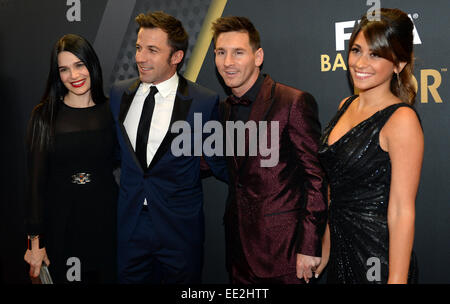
145	260
242	274
240	271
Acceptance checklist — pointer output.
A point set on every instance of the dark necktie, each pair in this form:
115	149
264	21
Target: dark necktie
144	127
233	100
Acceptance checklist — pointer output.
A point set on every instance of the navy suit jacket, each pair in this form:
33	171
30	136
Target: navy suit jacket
171	184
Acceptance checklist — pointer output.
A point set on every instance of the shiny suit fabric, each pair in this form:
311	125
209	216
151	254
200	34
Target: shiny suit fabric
273	213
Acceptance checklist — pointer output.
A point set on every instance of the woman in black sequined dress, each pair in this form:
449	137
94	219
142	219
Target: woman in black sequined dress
372	152
71	204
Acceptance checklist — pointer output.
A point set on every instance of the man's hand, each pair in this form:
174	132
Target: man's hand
306	265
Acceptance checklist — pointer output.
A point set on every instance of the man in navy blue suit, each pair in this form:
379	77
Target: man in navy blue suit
160	207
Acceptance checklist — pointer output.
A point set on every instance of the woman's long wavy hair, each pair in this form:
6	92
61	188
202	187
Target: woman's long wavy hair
41	126
392	38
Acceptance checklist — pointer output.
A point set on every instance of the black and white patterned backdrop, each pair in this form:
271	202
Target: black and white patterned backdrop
190	13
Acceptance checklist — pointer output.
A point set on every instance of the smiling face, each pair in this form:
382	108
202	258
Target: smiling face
154	57
368	70
74	74
237	62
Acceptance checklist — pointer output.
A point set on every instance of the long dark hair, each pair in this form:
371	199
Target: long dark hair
41	126
392	38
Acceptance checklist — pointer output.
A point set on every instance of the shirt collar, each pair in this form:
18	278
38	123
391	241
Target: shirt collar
254	90
165	88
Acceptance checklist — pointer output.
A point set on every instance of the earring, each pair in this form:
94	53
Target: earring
398	79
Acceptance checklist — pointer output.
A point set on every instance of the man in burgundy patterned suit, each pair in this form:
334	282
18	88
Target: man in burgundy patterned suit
276	213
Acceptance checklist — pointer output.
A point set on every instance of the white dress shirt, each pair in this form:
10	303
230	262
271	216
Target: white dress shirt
162	113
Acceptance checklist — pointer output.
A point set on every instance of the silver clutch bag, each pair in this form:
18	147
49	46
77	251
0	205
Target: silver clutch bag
44	276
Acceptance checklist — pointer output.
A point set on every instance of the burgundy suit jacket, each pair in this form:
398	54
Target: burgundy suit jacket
273	213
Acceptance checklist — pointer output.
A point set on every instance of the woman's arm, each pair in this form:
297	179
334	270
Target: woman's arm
402	138
325	245
37	163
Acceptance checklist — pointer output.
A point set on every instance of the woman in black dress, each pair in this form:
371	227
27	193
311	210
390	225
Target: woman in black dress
71	206
372	152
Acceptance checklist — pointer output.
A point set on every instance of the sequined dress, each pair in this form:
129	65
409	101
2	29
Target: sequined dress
359	174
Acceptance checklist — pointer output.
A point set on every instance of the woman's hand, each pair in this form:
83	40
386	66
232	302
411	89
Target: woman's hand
322	265
325	252
34	258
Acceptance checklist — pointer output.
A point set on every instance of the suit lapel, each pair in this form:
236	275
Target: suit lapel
263	102
180	111
259	112
127	99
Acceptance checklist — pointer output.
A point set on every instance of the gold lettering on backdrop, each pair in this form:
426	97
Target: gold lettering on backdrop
425	86
339	62
325	64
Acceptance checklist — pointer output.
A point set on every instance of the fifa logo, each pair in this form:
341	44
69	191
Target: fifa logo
428	81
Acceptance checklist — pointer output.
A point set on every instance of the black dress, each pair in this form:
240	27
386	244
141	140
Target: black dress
359	174
73	195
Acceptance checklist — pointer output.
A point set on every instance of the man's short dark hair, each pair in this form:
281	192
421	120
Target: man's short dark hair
236	24
177	36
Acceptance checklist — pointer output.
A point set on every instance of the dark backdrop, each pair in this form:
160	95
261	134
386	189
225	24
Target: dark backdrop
295	36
